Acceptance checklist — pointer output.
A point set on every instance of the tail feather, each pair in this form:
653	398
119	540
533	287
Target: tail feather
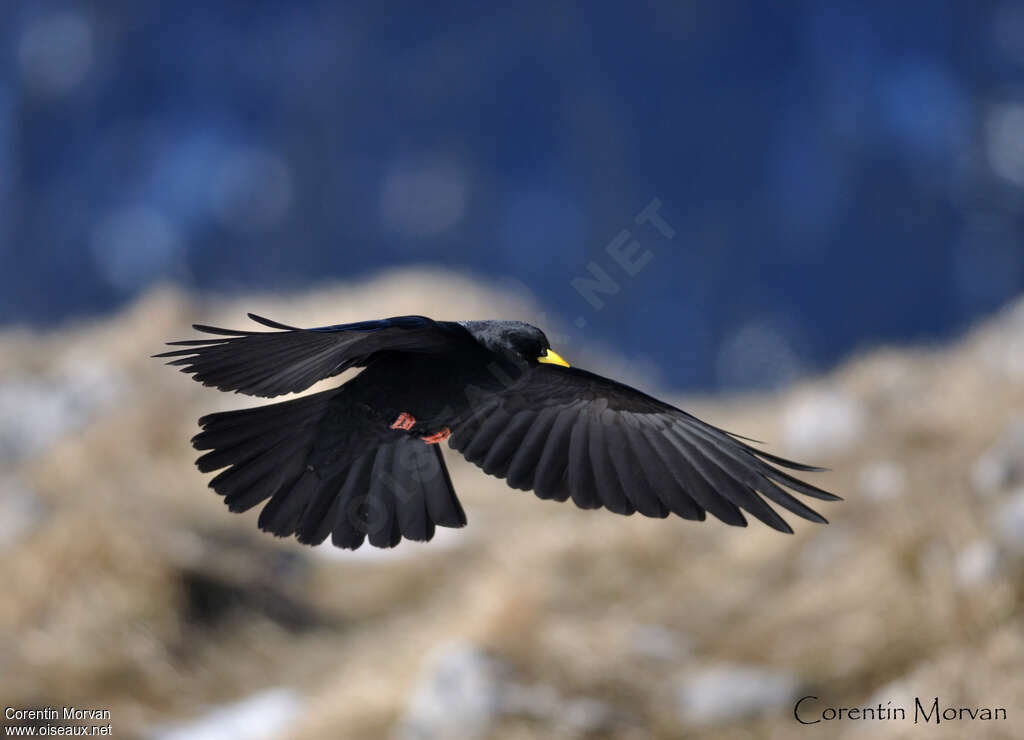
381	522
398	488
413	518
313	524
348	530
443	505
246	449
281	514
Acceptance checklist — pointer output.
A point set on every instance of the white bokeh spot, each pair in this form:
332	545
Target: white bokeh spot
55	53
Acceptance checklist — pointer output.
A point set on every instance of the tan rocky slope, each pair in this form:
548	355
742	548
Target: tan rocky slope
128	586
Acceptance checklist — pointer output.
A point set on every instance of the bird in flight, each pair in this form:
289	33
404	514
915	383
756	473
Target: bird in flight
362	461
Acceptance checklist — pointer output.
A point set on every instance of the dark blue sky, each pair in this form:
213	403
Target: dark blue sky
834	174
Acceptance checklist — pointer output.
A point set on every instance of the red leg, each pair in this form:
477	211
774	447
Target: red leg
404	421
433	439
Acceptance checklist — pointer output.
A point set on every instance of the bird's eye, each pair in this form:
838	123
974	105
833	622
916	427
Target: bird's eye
550	357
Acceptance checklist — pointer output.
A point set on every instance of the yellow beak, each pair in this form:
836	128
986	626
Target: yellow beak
550	357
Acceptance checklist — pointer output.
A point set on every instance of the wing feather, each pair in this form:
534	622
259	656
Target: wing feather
551	479
273	363
601	449
570	433
630	472
499	456
523	466
582	486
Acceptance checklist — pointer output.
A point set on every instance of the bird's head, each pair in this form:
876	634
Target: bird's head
514	340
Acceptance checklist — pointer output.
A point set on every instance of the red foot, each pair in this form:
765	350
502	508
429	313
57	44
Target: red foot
433	439
404	421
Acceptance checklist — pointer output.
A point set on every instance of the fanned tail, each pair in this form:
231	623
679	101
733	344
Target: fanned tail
399	488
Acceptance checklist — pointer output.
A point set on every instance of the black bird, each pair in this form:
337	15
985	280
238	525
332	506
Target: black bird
361	460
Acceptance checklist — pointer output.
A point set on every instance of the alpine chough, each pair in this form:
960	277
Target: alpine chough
361	461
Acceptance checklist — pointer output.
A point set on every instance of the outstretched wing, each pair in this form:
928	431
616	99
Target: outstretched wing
272	363
567	433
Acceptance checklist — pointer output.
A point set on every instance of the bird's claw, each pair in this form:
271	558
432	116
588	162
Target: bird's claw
404	421
433	439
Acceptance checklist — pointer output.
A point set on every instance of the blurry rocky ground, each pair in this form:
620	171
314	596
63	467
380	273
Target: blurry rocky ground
128	586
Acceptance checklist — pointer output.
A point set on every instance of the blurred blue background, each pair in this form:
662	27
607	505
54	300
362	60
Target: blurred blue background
833	174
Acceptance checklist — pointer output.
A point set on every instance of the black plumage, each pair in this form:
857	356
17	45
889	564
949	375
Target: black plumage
353	463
